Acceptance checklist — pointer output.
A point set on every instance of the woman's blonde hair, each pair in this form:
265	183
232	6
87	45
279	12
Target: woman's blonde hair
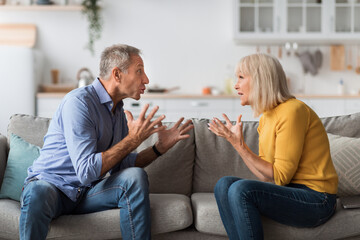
268	83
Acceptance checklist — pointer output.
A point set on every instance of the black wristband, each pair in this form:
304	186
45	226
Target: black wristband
156	151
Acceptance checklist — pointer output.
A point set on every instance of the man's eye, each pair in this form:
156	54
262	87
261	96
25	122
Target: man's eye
139	71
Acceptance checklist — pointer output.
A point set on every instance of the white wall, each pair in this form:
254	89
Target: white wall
185	43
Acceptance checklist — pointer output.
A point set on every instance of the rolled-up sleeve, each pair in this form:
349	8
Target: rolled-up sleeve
81	140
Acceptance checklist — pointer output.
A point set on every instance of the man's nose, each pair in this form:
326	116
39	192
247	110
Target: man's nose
146	79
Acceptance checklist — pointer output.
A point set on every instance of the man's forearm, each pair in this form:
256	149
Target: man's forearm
145	157
117	153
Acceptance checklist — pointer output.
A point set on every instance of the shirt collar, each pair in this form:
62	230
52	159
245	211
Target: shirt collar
103	95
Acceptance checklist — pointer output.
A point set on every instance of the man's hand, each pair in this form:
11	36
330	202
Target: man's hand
141	128
169	137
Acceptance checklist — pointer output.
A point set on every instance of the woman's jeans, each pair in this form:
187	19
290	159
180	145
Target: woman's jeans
242	202
128	190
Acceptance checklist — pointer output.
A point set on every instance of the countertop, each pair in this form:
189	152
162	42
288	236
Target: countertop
199	96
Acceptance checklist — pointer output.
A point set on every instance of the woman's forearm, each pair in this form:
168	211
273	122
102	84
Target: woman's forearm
259	167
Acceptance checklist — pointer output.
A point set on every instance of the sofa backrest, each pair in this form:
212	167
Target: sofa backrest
170	173
215	157
346	125
173	171
31	129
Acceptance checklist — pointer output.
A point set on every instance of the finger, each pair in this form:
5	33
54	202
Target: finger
143	111
227	120
177	124
238	121
129	115
213	127
154	130
152	113
184	136
157	122
185	125
219	123
185	130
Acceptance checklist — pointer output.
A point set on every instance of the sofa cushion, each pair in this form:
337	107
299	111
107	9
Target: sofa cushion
22	154
3	156
170	173
346	125
342	225
173	171
169	212
345	153
215	157
31	129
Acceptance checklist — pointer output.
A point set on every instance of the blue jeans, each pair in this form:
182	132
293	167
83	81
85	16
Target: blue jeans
128	190
241	203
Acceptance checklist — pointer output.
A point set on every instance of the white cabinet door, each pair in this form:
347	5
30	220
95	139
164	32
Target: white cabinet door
197	108
135	107
47	106
327	107
246	112
352	106
301	21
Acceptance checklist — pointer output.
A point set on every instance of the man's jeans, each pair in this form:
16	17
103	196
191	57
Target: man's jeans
241	203
128	190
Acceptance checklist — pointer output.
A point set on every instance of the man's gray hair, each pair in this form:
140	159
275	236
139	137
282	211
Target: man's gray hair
117	55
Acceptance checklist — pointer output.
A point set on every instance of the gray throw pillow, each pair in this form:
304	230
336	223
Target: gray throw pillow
345	153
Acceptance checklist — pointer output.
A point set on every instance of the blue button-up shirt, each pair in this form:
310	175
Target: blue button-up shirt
82	127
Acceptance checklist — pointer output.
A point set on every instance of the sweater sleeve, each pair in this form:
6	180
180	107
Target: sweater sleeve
291	127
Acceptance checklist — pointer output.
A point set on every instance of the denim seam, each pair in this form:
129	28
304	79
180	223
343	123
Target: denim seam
248	222
297	200
127	203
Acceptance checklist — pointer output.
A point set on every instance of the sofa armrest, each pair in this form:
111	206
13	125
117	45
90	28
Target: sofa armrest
4	149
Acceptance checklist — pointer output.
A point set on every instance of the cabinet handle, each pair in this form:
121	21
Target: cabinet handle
135	104
199	104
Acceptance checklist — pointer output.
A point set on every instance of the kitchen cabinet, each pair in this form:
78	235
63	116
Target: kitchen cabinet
301	21
198	106
40	7
327	107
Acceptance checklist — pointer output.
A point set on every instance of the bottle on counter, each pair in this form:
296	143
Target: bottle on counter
341	87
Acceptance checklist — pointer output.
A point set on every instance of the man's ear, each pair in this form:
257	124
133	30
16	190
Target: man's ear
117	74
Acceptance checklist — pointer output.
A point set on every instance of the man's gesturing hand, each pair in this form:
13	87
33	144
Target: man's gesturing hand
169	137
141	128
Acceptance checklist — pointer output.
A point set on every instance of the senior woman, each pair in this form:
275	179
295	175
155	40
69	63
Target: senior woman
297	183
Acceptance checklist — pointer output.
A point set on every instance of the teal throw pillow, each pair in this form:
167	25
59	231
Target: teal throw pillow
21	155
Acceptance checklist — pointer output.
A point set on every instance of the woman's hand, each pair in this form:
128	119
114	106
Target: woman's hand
232	133
169	137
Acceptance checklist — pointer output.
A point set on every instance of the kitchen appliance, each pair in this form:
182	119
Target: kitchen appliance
84	77
20	73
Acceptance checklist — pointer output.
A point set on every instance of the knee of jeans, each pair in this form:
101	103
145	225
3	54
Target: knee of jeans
222	186
38	193
239	190
137	177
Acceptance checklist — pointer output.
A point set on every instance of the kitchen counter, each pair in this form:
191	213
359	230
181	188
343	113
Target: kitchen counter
206	106
199	96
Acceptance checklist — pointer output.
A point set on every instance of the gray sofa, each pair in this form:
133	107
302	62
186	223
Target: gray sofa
182	181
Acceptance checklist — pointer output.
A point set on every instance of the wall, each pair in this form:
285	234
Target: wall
185	43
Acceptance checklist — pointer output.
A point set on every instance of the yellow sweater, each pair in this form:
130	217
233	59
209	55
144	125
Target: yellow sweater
294	140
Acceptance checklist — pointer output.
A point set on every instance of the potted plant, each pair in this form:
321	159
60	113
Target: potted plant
91	10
